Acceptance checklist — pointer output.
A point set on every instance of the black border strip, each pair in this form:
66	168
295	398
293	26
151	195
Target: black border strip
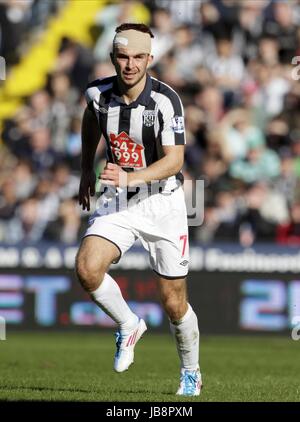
169	277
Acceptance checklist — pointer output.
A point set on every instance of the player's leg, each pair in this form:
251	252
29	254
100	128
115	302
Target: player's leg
184	327
183	320
169	257
94	257
92	262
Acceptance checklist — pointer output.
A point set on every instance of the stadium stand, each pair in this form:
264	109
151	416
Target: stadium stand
231	62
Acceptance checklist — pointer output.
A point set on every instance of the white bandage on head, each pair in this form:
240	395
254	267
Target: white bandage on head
133	40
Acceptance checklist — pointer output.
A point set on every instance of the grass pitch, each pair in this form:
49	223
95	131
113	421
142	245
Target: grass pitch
78	367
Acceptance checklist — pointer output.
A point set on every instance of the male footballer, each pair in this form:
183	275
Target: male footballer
142	121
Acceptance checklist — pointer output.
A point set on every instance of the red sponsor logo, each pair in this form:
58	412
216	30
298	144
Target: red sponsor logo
126	152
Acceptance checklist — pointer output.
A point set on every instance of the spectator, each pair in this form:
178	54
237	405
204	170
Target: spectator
237	132
260	162
162	29
14	15
75	60
17	132
277	135
283	27
8	199
64	98
40	108
272	88
210	100
47	196
289	233
187	52
25	179
268	50
73	143
182	12
68	227
295	148
65	183
250	27
42	154
227	68
252	225
288	183
28	225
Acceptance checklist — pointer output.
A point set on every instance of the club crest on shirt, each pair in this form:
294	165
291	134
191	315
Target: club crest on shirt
149	117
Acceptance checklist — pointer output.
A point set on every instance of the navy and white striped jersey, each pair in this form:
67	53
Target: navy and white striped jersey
135	133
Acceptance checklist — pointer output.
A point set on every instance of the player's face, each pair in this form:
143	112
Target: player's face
131	66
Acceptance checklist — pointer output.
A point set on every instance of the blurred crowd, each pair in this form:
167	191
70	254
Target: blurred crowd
21	20
234	64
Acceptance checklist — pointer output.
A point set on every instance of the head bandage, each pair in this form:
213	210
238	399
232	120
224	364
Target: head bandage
133	40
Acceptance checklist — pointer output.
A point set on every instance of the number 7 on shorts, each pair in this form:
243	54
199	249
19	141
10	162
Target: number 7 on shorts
183	237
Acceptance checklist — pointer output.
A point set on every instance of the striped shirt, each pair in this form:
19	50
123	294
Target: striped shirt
136	132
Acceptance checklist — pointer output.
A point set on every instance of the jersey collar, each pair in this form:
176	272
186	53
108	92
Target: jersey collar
142	99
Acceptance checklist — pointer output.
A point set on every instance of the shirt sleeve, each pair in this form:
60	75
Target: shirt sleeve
90	94
172	121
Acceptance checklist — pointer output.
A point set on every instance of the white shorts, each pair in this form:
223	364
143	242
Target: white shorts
159	221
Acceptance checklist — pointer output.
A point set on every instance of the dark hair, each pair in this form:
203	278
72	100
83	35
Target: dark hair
141	27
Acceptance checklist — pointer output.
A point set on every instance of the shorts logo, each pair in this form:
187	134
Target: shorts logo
149	117
178	124
184	263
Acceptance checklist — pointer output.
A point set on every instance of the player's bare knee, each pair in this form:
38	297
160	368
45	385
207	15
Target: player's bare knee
90	281
90	275
174	307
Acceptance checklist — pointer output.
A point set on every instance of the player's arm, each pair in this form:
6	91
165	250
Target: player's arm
167	166
90	135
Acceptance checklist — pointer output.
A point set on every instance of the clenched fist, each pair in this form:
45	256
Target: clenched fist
114	175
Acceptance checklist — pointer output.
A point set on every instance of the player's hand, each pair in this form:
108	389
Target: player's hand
114	175
86	188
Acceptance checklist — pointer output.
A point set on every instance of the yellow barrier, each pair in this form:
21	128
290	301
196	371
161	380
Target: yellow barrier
73	21
30	74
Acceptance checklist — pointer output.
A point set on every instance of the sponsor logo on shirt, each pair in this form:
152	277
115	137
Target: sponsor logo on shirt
126	152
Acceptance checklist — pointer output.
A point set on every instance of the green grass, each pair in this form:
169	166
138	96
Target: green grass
78	367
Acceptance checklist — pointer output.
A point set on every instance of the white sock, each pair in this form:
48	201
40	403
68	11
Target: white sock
109	298
186	335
